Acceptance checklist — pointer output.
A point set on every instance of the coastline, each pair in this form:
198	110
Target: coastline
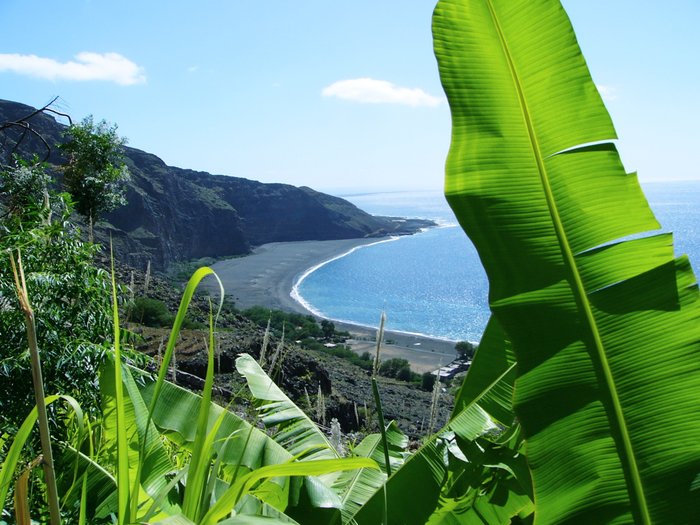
268	275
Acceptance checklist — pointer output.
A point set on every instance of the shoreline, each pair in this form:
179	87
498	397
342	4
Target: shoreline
268	276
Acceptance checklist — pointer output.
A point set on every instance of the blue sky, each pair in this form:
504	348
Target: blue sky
334	95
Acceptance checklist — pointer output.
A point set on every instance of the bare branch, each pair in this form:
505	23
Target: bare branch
27	127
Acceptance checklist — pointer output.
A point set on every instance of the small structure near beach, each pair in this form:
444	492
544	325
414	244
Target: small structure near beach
446	373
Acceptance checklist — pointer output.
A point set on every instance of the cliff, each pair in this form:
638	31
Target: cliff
176	214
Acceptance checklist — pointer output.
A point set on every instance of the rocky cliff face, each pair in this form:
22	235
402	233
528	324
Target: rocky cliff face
175	214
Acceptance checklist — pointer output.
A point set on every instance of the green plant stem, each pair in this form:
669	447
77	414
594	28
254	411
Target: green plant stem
375	391
38	382
382	427
44	434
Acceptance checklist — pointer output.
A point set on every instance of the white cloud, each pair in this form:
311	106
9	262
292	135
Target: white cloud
110	67
608	93
371	91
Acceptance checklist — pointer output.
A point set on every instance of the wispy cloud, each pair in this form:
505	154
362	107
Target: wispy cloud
608	93
109	67
371	91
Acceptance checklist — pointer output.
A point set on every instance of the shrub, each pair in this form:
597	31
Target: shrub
151	312
297	326
465	349
396	368
427	381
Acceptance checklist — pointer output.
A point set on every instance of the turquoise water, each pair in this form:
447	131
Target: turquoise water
432	283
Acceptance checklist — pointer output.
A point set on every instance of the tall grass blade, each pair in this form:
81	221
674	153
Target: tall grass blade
378	399
201	453
192	284
82	517
123	480
22	493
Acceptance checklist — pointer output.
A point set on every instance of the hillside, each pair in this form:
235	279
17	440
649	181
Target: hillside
175	214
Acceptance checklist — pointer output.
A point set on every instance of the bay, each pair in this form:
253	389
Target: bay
432	283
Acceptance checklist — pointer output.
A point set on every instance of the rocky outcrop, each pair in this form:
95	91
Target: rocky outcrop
176	214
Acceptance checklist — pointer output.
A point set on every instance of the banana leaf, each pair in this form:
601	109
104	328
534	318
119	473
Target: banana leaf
356	487
487	488
294	430
156	463
248	449
602	318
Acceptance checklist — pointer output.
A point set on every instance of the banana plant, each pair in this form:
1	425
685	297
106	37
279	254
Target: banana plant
233	470
603	319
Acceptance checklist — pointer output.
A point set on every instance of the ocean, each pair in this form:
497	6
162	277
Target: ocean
432	283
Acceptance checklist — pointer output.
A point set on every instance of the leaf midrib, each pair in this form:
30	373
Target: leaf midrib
357	475
577	286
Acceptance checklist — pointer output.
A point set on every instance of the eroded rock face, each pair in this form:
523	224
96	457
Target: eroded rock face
176	214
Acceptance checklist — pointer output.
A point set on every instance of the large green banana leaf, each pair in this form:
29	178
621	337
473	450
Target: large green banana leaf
606	332
294	430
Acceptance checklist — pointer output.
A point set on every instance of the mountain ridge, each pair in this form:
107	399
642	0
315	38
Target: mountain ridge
176	214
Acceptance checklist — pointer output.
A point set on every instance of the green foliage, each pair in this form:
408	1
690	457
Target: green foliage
24	187
471	471
151	312
70	297
126	472
605	330
396	368
328	328
181	271
609	430
427	381
364	361
297	326
465	349
95	173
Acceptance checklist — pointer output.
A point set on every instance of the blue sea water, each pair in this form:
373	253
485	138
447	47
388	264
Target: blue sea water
432	283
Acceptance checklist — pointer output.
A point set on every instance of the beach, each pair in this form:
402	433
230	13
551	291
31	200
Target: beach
266	278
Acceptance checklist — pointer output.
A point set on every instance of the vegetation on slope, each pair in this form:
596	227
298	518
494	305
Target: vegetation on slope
567	414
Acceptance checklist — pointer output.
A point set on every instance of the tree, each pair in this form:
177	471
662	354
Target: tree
95	173
397	368
465	349
328	328
427	381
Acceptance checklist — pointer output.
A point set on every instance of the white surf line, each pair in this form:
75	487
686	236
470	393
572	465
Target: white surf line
295	289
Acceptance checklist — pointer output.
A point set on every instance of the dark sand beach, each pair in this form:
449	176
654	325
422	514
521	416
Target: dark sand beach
267	276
